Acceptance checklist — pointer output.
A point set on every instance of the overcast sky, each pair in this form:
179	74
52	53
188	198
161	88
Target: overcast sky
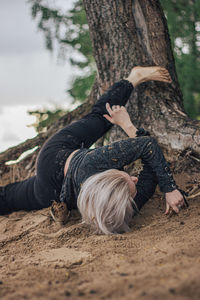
30	76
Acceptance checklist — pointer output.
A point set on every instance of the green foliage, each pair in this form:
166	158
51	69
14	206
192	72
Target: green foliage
184	26
82	86
44	117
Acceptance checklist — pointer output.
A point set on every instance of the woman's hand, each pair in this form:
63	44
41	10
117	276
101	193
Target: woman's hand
174	200
118	115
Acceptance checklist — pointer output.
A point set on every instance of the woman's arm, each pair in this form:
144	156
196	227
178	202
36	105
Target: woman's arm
118	115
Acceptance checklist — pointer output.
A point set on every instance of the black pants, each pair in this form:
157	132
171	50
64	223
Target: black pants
38	191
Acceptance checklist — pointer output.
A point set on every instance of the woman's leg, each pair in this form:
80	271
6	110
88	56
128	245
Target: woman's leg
38	191
90	128
19	196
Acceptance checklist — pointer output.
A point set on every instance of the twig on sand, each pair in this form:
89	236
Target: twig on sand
161	250
193	189
195	158
194	196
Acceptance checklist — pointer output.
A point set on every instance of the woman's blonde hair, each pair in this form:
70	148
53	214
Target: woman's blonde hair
105	202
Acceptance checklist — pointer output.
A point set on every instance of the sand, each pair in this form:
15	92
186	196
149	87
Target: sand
158	259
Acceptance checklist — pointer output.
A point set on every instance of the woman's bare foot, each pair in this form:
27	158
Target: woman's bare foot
142	74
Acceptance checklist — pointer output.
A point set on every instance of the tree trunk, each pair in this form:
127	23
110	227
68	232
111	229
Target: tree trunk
129	33
126	34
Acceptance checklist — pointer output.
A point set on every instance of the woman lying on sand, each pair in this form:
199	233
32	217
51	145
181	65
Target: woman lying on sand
93	179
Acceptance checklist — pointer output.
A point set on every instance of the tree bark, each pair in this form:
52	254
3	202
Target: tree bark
126	34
